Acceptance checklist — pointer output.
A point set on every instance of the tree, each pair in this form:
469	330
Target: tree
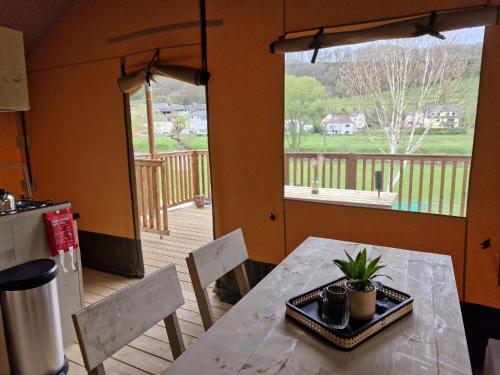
392	83
305	102
178	125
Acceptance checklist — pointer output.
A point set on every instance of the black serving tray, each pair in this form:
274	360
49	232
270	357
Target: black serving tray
392	305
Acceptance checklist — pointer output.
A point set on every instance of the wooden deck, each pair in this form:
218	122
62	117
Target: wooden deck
343	197
190	228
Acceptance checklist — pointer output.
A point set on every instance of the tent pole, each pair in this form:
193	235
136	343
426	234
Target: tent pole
150	117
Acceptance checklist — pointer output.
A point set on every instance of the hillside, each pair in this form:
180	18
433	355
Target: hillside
466	94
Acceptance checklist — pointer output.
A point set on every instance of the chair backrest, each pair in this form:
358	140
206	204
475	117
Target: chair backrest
210	262
110	324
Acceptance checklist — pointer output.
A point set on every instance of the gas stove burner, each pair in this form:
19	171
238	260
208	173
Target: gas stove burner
26	205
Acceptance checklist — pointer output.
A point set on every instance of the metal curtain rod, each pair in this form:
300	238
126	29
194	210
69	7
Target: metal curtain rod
161	29
115	56
203	32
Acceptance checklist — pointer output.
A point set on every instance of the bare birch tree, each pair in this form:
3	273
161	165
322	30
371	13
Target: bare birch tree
392	83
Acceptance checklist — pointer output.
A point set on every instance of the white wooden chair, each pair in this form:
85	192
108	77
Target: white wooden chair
212	261
110	324
492	358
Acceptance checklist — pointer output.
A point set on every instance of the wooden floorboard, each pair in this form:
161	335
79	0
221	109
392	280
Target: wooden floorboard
150	353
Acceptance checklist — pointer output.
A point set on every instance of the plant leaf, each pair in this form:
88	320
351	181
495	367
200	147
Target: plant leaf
344	266
358	256
348	256
371	273
361	266
383	276
373	263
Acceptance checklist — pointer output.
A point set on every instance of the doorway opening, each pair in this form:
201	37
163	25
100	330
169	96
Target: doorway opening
172	171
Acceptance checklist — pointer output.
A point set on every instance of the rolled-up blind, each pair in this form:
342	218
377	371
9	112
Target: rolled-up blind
135	80
197	77
407	27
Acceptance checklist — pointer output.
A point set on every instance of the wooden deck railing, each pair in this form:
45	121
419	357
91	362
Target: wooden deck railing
424	183
172	178
151	196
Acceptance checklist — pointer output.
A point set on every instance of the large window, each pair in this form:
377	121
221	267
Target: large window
386	124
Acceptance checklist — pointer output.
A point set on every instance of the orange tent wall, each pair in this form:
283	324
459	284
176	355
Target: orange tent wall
246	125
483	218
10	179
246	102
77	119
79	150
246	117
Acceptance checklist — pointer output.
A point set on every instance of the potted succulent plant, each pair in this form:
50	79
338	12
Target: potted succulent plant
361	284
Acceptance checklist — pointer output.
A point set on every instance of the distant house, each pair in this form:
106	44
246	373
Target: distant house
308	128
163	127
359	120
198	123
171	110
300	126
338	125
196	114
441	116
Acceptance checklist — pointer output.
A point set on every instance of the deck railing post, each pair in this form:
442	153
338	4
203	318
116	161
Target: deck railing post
196	173
351	166
287	169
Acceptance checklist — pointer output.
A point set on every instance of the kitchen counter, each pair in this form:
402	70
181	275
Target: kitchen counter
23	238
53	207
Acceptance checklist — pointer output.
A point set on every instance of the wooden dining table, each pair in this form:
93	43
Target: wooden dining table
256	337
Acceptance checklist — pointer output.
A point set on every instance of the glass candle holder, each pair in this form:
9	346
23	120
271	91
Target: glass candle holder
334	306
315	186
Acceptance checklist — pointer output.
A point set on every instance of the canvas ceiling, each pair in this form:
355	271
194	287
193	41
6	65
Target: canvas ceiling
33	17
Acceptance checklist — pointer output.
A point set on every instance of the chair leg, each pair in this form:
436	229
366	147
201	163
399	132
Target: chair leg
174	335
99	370
207	316
241	278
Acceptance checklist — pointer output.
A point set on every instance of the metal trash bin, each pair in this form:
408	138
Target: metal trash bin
32	324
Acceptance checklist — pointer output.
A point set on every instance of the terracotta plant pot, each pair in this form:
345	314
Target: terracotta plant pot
362	303
199	201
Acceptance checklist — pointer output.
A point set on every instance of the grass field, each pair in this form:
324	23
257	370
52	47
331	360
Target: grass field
433	144
164	143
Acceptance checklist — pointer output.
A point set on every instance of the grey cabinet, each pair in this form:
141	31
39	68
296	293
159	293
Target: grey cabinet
23	238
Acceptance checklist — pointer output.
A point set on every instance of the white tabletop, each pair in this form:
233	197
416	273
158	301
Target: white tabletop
254	337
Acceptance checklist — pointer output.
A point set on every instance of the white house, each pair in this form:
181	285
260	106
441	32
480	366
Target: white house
442	116
338	125
308	128
196	114
198	123
359	120
439	116
162	127
300	126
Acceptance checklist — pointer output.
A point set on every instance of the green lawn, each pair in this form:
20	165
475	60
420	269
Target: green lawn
433	144
164	143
